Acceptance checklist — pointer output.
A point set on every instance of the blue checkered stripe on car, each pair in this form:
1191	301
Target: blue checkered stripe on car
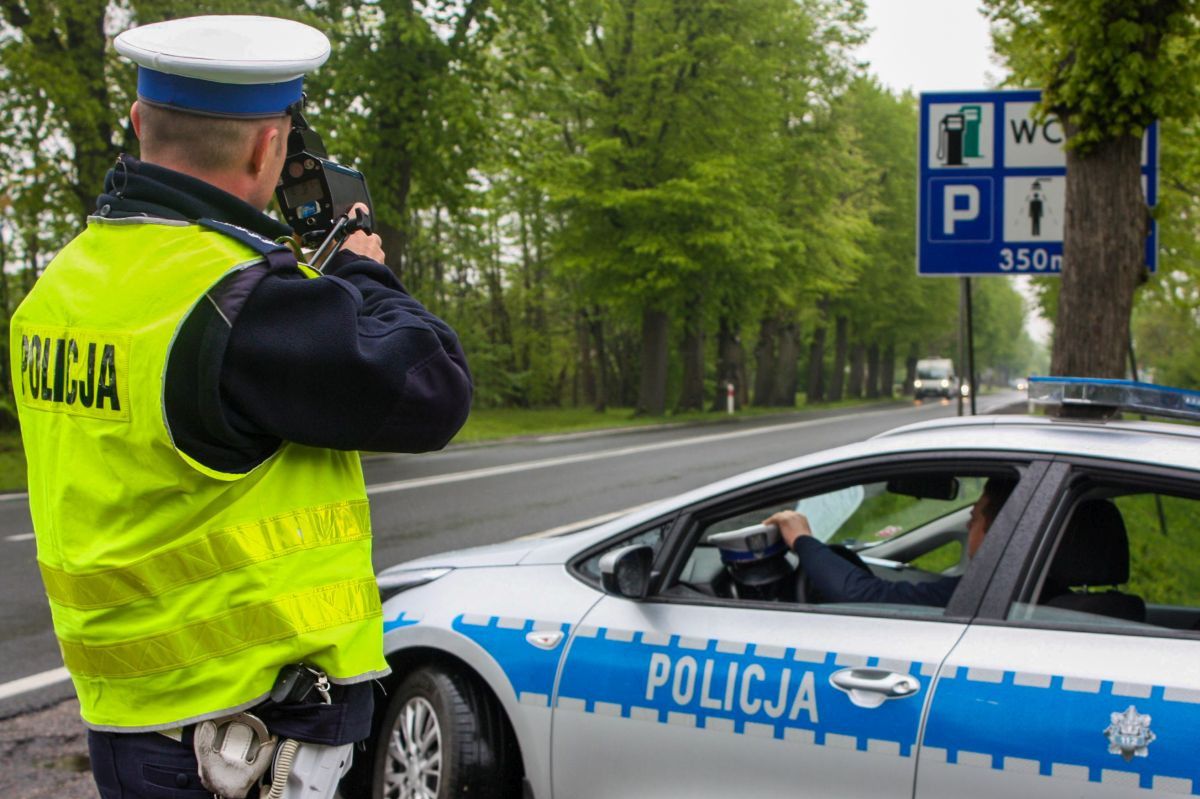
1047	725
713	685
1055	726
530	669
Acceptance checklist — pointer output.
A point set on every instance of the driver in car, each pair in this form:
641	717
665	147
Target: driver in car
834	578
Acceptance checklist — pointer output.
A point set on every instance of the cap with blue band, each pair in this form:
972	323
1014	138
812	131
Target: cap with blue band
749	544
233	66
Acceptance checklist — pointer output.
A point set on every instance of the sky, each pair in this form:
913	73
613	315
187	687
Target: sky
930	45
937	45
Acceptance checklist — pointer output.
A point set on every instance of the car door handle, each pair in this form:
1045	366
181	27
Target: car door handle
873	687
544	639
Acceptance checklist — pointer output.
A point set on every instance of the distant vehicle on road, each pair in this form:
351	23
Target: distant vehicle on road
935	378
627	659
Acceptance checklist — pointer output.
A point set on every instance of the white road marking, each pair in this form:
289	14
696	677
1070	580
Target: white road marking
620	452
34	682
21	537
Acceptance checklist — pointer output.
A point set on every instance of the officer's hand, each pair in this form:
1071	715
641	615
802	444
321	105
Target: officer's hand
360	243
791	525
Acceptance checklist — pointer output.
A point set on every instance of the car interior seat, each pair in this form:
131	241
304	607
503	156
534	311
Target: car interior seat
1094	551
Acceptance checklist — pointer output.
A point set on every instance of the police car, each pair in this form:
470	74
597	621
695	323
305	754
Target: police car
628	660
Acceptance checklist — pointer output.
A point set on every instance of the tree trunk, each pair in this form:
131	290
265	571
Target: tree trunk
858	356
841	341
784	387
691	395
625	361
596	327
652	388
395	243
816	366
731	366
6	386
1104	247
887	371
437	292
873	371
910	371
585	375
764	361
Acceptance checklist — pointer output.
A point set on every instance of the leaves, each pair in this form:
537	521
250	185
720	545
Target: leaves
544	171
1108	67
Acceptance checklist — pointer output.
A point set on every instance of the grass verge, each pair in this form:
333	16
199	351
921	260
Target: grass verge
12	462
490	424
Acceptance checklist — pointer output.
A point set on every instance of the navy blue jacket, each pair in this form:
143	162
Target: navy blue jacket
836	579
348	361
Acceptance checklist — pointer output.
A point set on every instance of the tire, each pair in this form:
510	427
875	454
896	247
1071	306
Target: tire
463	746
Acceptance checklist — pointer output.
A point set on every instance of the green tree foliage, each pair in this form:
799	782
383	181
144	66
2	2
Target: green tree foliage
406	98
615	202
1168	311
1107	68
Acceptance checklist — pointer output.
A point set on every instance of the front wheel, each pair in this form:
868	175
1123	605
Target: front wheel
444	736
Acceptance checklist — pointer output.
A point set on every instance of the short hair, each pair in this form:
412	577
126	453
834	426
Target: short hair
997	490
209	143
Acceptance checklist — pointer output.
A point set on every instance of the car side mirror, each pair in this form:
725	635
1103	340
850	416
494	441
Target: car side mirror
625	572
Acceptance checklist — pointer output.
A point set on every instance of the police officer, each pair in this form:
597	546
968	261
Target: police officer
191	402
834	578
755	561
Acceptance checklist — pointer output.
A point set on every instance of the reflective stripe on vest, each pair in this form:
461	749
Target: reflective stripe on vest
239	629
177	590
218	552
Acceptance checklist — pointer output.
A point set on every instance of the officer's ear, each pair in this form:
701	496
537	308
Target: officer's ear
269	141
135	116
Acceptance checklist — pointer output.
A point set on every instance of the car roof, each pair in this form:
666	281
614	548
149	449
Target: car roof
1152	443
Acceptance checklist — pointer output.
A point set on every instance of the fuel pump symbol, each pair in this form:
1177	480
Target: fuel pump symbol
958	135
950	139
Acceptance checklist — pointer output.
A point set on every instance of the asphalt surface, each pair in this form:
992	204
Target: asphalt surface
420	504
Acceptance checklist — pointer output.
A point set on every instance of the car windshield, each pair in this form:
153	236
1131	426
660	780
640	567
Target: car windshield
884	515
933	372
866	514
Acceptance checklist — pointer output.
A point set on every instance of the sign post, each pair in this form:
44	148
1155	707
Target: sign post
991	191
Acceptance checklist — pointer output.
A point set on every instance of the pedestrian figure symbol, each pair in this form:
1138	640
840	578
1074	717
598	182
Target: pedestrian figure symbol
1036	202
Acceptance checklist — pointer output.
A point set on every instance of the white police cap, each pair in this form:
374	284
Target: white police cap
237	66
749	544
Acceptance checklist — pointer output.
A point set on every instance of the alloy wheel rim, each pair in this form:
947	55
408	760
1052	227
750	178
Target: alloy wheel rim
414	758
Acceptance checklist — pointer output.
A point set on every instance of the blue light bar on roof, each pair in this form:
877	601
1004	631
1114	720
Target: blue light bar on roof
1118	395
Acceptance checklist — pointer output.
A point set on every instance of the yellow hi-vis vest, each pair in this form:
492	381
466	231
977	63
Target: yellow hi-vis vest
177	591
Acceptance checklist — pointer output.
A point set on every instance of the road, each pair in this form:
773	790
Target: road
464	496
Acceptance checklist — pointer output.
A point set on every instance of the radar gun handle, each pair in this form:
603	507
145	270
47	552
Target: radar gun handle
345	225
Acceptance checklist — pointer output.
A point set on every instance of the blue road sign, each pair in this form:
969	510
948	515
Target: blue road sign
992	186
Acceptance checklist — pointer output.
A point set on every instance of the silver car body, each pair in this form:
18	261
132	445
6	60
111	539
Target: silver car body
613	697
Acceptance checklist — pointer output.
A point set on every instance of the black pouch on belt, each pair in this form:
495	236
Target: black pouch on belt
299	712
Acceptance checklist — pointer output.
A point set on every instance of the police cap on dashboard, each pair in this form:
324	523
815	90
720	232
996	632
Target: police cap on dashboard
755	555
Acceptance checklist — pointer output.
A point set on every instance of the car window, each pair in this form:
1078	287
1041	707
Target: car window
886	514
896	542
1121	560
652	537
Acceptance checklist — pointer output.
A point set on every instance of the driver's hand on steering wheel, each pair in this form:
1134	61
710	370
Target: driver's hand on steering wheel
791	525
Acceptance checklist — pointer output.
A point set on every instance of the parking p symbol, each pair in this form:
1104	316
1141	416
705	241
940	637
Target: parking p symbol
959	204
